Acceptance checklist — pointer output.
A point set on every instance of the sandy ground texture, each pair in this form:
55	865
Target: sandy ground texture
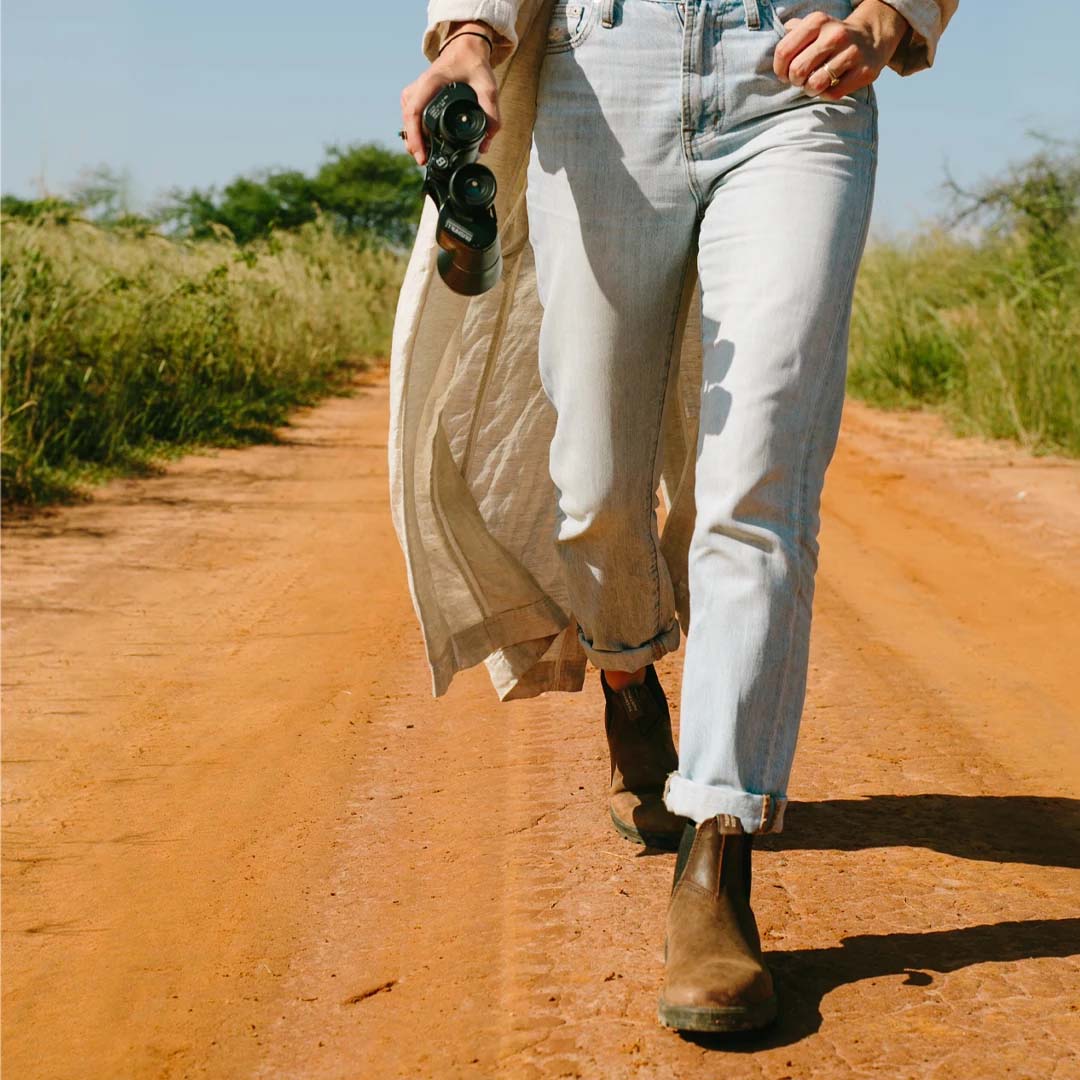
241	839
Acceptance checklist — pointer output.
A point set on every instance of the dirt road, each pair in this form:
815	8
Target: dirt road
242	840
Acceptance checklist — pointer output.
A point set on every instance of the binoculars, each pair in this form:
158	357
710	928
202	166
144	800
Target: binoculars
454	125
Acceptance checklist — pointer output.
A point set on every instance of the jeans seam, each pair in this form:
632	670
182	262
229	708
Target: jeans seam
720	75
804	459
657	432
690	28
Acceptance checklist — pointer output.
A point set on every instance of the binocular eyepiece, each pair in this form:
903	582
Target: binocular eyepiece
454	125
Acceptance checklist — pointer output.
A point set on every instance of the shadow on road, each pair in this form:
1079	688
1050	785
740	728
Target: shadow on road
1002	829
805	976
1006	828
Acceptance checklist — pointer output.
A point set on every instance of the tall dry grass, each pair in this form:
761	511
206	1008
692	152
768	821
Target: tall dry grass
120	345
124	345
986	332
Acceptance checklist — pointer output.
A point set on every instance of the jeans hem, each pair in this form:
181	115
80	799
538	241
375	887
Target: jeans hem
636	658
758	813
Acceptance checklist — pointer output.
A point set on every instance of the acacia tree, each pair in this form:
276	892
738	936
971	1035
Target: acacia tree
104	194
1037	201
366	191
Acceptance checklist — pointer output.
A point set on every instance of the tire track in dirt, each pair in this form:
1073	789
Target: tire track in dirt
241	838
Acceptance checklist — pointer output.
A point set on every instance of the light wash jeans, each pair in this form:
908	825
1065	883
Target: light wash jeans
662	136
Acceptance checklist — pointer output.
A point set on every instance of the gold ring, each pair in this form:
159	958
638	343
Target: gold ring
833	77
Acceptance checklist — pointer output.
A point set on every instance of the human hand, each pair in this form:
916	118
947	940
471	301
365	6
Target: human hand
856	49
465	59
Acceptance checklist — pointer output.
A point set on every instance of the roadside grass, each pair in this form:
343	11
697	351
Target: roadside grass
987	333
122	346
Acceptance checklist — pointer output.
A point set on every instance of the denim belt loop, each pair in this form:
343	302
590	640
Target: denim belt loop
607	13
753	14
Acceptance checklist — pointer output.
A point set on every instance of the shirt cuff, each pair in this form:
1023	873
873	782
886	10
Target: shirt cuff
500	15
927	20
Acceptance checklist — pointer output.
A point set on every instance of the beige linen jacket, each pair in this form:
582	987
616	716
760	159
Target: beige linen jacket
473	503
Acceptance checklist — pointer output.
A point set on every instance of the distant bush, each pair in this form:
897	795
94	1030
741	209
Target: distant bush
121	343
362	191
57	210
985	328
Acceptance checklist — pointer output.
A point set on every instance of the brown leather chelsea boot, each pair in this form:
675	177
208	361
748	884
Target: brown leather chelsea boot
715	978
642	753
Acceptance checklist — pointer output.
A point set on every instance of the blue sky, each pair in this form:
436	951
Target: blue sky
193	94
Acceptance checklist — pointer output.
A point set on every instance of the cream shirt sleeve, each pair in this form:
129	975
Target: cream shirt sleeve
500	15
928	19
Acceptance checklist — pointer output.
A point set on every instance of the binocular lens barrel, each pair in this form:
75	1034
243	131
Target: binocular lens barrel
472	187
472	273
470	259
464	122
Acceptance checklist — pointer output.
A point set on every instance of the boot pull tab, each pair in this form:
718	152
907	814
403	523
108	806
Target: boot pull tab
633	706
638	705
728	825
720	863
631	702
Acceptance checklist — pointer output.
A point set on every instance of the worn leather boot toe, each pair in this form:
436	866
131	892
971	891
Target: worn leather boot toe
642	753
715	978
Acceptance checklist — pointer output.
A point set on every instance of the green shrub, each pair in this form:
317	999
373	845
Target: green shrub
120	343
987	329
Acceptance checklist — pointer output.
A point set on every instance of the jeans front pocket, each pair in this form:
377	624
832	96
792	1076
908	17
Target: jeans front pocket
770	17
778	12
570	25
774	13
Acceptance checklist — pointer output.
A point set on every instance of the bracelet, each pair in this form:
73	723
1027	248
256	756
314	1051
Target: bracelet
462	33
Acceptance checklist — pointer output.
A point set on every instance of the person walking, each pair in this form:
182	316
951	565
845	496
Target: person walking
730	144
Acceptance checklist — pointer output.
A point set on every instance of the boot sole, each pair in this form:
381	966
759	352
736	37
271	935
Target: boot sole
664	841
717	1017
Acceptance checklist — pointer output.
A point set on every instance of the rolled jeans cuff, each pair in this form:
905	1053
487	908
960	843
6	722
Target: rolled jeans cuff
699	802
636	658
